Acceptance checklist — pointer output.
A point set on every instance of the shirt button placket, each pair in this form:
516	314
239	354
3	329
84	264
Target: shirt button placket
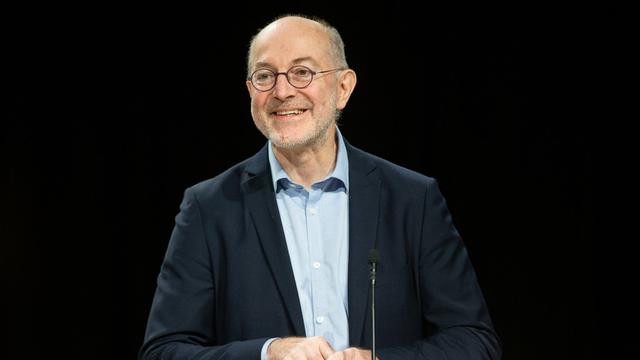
317	251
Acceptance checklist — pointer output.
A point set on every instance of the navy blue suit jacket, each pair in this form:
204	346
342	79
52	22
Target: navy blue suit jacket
226	284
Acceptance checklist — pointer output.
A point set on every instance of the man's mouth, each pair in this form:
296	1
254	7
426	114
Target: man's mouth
289	112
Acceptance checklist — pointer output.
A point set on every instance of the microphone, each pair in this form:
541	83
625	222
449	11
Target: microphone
374	256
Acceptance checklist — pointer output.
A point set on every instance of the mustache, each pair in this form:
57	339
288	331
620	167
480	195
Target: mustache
275	104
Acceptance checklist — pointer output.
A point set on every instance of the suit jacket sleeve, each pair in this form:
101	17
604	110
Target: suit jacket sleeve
457	318
182	323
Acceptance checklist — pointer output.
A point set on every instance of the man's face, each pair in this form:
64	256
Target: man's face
295	118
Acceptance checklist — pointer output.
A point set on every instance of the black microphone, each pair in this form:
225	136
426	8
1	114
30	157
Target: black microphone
374	256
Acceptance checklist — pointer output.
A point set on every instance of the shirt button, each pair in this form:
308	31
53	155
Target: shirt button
313	211
320	319
316	264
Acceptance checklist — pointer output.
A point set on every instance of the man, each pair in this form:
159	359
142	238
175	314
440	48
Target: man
270	258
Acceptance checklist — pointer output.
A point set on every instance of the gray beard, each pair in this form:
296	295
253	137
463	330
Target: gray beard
318	136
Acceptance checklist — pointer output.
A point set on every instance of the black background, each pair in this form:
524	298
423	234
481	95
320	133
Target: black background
113	112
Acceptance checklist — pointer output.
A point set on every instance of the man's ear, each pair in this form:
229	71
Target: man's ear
346	84
250	88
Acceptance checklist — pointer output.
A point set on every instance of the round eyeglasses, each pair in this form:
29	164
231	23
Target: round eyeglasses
298	76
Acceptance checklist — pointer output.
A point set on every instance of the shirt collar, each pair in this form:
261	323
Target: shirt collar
340	172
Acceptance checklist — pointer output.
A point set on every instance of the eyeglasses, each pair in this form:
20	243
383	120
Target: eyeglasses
298	76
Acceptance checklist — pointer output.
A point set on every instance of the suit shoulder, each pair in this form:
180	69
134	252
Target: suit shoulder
397	173
227	182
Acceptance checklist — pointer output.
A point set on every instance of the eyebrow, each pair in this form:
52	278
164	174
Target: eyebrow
295	61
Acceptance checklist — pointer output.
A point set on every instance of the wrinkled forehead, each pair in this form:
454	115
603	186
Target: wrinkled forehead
281	44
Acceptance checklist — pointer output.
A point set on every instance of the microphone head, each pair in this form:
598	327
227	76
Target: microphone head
374	256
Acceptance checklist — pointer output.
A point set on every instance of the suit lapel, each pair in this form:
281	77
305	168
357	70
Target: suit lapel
364	193
261	202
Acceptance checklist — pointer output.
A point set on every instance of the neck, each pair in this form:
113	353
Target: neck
309	164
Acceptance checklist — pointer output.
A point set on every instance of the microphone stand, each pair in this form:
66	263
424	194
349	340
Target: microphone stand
373	260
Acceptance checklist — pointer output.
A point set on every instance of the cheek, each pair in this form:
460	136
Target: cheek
318	100
328	103
258	102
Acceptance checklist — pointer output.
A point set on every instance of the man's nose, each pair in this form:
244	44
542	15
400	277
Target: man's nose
283	89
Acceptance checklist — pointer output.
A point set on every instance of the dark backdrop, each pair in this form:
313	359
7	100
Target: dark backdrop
113	112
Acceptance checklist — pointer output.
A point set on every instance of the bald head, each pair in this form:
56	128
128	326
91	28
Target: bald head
301	28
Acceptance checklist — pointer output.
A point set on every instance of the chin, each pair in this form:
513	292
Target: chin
297	142
291	137
289	143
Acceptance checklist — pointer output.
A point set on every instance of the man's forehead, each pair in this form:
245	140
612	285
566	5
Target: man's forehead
266	62
292	45
291	31
290	41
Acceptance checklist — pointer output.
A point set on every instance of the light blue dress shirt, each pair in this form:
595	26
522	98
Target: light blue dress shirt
316	229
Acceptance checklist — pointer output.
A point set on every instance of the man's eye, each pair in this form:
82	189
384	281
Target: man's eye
263	76
302	72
